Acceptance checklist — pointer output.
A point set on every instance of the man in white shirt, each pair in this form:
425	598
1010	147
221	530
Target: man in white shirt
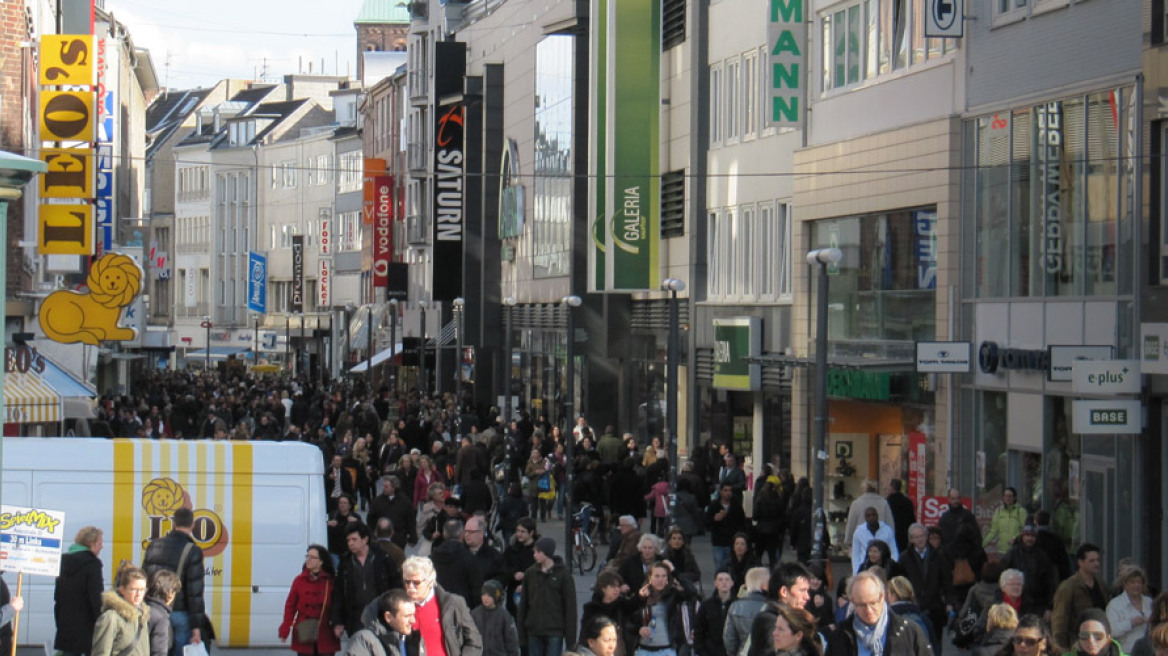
872	529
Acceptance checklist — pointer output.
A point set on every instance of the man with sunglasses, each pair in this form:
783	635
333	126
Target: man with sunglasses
442	618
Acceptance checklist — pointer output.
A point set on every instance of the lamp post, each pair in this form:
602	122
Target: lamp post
672	285
369	351
207	352
349	308
255	342
569	303
392	345
824	258
459	304
509	304
422	305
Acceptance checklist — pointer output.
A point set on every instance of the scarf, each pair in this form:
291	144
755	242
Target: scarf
872	637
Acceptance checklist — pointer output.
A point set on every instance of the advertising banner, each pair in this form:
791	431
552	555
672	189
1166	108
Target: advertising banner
735	340
382	229
67	115
31	540
598	155
373	168
632	237
257	282
917	463
324	283
106	143
297	302
69	174
66	59
65	230
786	36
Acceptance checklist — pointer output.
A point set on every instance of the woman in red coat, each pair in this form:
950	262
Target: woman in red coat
308	604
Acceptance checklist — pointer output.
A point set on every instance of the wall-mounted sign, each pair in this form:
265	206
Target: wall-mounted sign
93	316
1154	348
65	229
991	358
1106	376
69	173
66	59
1062	358
945	18
925	238
325	232
735	340
1110	417
786	38
382	228
373	167
297	301
1049	156
257	282
67	115
856	384
324	283
944	357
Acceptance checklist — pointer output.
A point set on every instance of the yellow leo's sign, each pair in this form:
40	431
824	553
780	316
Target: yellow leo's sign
65	230
92	316
67	115
70	173
66	59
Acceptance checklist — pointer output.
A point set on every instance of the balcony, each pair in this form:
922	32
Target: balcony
417	161
417	230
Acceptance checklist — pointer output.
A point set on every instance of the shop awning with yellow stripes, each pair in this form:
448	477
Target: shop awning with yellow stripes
28	399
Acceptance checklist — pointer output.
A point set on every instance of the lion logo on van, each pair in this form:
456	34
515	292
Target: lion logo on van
161	497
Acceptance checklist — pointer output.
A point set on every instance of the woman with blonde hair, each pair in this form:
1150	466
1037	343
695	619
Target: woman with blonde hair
427	475
121	629
1130	612
1001	621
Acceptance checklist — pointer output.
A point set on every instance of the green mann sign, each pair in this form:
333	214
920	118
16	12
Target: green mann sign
786	39
735	340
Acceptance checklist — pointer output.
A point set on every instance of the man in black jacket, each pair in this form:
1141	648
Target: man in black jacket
397	508
724	518
458	573
77	594
903	514
364	574
177	552
931	574
873	623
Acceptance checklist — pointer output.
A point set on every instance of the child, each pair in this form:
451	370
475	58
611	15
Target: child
495	624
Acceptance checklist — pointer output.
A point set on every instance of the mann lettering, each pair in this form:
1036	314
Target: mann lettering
787	11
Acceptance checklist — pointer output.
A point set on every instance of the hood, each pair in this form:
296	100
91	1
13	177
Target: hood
75	561
110	599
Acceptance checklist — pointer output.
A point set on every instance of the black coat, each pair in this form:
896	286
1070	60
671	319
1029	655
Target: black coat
710	622
618	611
904	638
164	553
77	598
722	532
458	572
354	589
400	511
625	493
903	516
490	564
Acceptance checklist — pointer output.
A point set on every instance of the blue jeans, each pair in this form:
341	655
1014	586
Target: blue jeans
180	629
663	652
545	645
721	555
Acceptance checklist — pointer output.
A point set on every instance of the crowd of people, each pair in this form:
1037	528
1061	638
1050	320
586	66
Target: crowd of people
433	547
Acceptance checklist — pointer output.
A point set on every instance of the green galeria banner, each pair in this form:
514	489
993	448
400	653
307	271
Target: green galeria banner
598	155
633	192
735	340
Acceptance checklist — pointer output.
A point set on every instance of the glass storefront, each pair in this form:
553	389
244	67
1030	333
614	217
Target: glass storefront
1051	197
550	236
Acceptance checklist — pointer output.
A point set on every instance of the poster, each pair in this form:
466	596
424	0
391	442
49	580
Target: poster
30	540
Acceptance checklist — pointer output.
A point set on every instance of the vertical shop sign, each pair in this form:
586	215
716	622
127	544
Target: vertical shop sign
449	170
786	36
373	168
297	304
917	445
106	138
632	236
257	282
1050	151
382	228
925	238
324	283
190	287
326	231
735	340
598	157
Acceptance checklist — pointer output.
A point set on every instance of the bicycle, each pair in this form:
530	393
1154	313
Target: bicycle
583	551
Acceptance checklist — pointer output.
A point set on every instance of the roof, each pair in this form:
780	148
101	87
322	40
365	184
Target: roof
166	114
381	12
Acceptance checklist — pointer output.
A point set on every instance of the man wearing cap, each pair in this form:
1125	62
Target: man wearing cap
547	605
494	622
1041	575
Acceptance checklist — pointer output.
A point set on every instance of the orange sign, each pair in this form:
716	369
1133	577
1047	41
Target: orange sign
67	115
70	173
373	168
92	316
65	230
66	59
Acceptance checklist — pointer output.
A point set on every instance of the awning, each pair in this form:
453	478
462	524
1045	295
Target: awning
76	395
217	353
28	399
377	359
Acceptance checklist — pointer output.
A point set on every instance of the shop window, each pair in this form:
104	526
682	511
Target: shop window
1062	471
1024	473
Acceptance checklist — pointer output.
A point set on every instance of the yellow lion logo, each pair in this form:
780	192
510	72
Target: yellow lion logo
92	316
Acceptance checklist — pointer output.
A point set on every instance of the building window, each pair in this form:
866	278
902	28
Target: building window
749	252
733	97
672	23
773	251
673	204
1159	21
868	38
552	181
750	95
716	105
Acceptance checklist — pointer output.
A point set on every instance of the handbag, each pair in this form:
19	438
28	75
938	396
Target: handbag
962	572
544	484
308	630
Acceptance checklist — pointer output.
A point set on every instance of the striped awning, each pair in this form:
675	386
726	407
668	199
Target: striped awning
28	399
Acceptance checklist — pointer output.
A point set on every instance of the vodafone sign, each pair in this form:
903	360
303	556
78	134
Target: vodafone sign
382	229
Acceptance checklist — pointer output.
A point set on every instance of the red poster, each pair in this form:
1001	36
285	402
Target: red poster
916	468
382	229
931	508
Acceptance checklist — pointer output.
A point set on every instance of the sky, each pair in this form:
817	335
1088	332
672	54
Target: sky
196	44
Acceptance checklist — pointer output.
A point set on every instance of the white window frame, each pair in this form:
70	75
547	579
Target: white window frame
732	93
716	99
751	107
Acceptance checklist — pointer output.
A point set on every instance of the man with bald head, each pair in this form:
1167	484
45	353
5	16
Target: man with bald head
954	517
487	558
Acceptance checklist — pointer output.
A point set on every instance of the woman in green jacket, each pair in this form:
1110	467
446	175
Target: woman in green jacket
121	629
1007	522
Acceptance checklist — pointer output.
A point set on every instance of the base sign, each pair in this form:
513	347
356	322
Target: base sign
1110	417
31	540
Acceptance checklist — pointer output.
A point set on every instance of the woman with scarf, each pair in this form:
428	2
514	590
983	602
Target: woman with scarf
306	616
659	613
685	566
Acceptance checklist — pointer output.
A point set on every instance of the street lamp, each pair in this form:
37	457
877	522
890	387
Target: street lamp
392	344
349	308
422	305
255	342
569	303
509	304
369	350
824	258
459	304
207	324
672	285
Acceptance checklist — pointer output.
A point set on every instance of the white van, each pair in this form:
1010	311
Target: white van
257	506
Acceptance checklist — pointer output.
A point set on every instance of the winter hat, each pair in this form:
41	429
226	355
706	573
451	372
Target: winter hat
1030	529
494	589
546	546
1094	615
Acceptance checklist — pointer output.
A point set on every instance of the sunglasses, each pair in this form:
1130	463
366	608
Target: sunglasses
1028	642
1097	636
